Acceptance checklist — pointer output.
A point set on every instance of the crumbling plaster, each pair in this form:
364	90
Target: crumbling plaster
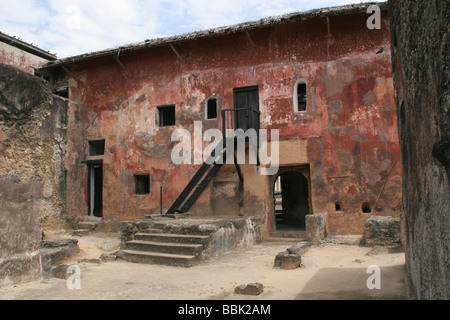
350	125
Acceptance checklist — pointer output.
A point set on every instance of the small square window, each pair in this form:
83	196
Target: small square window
166	116
366	207
211	112
142	183
96	148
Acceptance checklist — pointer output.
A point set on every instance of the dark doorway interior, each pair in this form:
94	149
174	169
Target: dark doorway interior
291	201
95	190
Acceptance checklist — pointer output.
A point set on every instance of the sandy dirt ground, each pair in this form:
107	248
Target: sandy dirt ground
330	272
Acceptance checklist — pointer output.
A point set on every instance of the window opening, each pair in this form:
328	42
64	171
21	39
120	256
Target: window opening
301	97
142	184
62	89
366	207
211	109
166	116
96	148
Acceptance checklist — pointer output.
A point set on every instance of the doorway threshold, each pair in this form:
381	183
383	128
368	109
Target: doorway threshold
287	233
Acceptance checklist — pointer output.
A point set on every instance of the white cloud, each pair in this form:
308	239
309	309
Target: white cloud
71	27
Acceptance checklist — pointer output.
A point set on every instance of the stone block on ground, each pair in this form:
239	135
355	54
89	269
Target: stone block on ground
315	227
81	232
252	289
60	272
292	257
86	225
287	261
382	231
299	248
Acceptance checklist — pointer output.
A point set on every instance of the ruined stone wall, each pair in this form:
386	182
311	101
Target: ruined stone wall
348	135
31	178
420	39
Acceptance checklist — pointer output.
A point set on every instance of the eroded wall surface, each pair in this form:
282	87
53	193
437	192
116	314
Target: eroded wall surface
31	176
348	135
20	59
420	38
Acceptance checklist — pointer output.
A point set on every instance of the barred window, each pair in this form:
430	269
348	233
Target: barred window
166	116
96	148
142	183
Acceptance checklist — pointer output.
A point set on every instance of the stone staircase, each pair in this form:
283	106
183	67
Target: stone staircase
155	246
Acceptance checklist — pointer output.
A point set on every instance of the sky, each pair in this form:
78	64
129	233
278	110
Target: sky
72	27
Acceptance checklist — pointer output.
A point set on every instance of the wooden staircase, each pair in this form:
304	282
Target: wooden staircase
201	180
243	118
161	245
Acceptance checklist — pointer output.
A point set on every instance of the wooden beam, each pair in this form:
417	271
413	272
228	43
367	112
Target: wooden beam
116	57
330	37
250	39
69	72
176	52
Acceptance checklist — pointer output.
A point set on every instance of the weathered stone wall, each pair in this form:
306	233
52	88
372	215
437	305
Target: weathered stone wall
31	179
382	231
420	40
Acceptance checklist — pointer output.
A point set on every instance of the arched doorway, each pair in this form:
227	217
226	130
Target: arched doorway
291	201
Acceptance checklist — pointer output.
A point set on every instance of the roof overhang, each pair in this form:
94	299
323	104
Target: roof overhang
247	26
22	45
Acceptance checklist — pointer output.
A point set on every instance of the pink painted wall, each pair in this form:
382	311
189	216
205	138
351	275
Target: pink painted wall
350	123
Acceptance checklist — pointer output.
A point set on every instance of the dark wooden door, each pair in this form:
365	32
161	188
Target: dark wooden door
247	98
95	190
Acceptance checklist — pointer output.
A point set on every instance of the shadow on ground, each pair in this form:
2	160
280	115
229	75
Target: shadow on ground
351	284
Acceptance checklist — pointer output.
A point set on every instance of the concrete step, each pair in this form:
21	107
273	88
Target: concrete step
174	238
81	232
154	230
286	236
87	225
164	247
292	235
158	258
283	239
345	240
154	246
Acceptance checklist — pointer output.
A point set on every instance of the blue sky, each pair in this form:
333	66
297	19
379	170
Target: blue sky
72	27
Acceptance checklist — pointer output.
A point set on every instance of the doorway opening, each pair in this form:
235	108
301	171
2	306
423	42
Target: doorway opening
291	201
95	189
247	99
